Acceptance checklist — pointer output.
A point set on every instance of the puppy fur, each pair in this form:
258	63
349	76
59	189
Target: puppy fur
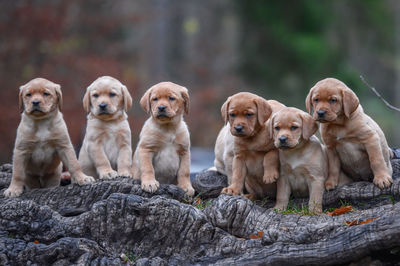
163	150
244	150
106	147
354	142
42	140
303	161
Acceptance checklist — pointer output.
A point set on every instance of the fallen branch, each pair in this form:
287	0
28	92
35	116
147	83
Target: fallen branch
379	96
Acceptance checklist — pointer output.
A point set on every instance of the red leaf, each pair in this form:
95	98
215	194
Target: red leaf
257	236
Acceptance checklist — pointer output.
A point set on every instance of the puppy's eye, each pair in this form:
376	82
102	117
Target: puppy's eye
293	128
112	94
333	100
316	100
277	128
46	94
95	95
232	115
155	99
28	95
171	98
249	115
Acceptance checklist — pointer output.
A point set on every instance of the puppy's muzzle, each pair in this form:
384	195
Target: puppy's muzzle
103	108
321	114
162	111
36	106
283	142
239	129
35	102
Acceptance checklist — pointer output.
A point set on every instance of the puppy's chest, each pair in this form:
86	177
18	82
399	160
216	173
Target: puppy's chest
297	174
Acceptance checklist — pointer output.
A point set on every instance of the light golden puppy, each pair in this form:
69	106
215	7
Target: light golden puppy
244	150
354	142
42	140
107	143
163	150
303	161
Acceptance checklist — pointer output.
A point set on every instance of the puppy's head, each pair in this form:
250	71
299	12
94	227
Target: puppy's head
290	126
40	97
245	112
165	100
106	97
329	99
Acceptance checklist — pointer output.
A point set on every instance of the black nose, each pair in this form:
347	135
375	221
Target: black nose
239	128
161	108
321	113
36	102
282	139
103	106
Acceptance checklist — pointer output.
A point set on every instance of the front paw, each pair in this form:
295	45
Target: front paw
150	185
13	192
83	179
188	189
329	184
270	177
231	190
110	174
125	174
383	181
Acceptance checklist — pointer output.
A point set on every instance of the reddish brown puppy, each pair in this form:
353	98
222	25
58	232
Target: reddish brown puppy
355	143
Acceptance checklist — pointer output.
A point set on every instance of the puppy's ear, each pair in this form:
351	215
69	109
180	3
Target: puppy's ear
309	126
57	88
225	109
127	98
270	126
86	100
264	110
350	101
185	96
20	99
145	101
309	101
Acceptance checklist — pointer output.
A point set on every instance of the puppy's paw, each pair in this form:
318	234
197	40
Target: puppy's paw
188	189
83	179
231	190
383	181
13	192
270	177
125	173
329	184
111	174
150	185
280	207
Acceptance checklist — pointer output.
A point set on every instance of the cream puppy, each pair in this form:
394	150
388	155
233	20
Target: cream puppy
42	140
106	150
163	151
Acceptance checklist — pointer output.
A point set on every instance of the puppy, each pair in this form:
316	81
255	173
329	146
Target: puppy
42	140
354	142
303	161
244	150
163	150
107	143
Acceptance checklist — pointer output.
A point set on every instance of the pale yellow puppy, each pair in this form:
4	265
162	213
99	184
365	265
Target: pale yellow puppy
106	150
42	141
163	152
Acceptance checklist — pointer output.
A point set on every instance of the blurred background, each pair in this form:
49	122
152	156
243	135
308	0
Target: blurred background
215	48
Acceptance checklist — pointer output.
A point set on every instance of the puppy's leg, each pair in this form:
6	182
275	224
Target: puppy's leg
17	182
68	158
283	191
316	189
382	175
125	161
149	182
184	173
239	172
333	169
100	161
271	166
52	179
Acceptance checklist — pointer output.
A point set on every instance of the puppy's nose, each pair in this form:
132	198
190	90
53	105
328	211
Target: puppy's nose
283	139
35	102
239	128
103	106
321	113
161	108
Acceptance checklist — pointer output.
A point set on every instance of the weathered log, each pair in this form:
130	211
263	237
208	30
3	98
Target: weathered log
97	223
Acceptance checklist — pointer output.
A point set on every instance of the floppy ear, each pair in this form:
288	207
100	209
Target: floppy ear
264	110
57	88
185	96
270	126
309	101
86	100
309	126
127	98
145	101
350	101
224	110
20	99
